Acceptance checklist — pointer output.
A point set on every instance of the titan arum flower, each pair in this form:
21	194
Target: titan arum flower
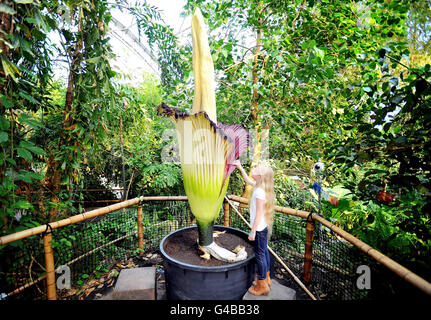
207	148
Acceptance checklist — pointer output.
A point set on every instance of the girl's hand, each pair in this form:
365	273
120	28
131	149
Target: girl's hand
252	235
237	163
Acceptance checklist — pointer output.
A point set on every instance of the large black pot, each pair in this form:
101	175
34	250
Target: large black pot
191	282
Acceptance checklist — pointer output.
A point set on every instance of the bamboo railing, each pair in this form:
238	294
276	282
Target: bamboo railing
47	236
403	272
71	220
392	265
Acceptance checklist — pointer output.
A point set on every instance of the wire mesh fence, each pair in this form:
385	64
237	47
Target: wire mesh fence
340	271
22	263
87	247
96	244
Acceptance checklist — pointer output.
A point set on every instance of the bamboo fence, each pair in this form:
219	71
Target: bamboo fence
392	265
47	237
71	220
140	235
401	271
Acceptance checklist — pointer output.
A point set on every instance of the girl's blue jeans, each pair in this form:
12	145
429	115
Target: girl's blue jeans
261	253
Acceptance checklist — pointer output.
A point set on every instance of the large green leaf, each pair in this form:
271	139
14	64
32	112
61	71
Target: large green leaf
9	68
25	154
4	123
6	102
28	97
3	136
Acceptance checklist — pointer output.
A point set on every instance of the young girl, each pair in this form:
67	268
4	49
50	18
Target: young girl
261	220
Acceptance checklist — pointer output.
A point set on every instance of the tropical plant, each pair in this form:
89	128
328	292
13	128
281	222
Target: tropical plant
207	148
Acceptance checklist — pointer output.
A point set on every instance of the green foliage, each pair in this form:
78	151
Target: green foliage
170	55
51	131
41	134
292	194
335	82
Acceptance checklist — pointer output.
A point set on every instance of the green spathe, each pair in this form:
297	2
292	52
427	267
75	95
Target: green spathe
204	150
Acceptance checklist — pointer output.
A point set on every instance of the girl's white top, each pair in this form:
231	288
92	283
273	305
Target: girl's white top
258	193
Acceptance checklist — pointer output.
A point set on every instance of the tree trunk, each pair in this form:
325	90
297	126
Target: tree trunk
255	114
6	28
54	187
123	170
53	165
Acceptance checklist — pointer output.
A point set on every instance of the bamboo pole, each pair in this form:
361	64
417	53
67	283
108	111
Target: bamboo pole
140	231
84	216
165	198
98	201
83	190
308	256
27	285
276	256
49	267
292	274
226	214
403	272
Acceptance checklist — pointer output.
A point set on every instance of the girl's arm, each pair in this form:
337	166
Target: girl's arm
247	179
259	217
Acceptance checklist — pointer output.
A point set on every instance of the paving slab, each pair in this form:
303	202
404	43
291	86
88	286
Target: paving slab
278	292
135	284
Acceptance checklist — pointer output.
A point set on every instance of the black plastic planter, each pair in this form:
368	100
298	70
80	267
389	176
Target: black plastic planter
191	282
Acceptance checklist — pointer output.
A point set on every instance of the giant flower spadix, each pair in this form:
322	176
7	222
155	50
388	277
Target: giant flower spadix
207	148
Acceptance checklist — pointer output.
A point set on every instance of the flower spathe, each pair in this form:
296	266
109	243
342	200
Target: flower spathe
207	152
207	148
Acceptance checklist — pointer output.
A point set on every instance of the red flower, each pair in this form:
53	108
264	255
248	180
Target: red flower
384	196
333	200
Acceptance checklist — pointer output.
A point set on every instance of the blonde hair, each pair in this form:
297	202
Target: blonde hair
267	184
